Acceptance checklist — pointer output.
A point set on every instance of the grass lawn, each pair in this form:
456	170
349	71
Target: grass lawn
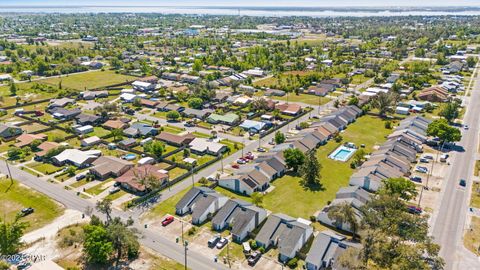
100	132
14	198
99	188
172	129
234	146
304	98
475	201
79	183
366	130
89	80
472	237
45	168
235	251
201	135
167	206
176	172
232	195
116	195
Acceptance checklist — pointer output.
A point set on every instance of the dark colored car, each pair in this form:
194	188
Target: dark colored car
27	211
254	257
463	183
416	179
213	241
167	221
414	210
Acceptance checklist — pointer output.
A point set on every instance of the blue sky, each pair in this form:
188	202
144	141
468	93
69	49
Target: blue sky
248	2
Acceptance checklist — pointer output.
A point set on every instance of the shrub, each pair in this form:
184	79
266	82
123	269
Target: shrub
313	218
261	249
292	263
192	231
388	125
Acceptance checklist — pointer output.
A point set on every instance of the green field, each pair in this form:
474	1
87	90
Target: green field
475	200
89	80
366	130
14	198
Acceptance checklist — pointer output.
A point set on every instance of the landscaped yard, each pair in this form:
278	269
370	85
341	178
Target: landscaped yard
232	195
167	206
172	129
475	201
16	197
100	187
472	237
45	168
176	172
89	80
366	130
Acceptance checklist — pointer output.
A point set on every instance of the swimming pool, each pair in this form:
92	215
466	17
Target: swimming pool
129	156
342	153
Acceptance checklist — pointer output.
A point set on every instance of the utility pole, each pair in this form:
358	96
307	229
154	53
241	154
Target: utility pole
221	160
9	173
193	179
185	244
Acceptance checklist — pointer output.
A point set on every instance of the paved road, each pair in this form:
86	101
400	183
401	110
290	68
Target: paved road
449	219
150	238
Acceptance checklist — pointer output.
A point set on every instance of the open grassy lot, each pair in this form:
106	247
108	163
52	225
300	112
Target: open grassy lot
475	200
14	198
472	237
89	80
45	168
167	206
366	130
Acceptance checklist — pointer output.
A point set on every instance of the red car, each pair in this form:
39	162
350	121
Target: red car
167	220
235	166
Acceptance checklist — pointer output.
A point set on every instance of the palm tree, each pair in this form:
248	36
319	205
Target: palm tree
344	214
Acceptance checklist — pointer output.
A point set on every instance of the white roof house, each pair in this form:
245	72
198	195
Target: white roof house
90	141
128	97
146	160
77	157
201	145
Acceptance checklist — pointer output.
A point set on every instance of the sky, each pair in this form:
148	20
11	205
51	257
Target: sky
297	3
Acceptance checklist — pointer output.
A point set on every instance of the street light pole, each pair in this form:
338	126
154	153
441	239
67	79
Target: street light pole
185	244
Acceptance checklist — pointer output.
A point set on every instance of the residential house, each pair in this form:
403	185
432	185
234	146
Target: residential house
128	143
289	109
174	139
355	196
230	119
64	114
194	113
203	146
88	119
242	217
26	139
44	148
286	233
130	179
325	251
8	132
108	166
90	141
434	94
143	86
115	124
139	129
184	206
76	157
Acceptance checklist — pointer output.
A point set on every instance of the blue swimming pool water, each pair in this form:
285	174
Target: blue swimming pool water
342	153
129	156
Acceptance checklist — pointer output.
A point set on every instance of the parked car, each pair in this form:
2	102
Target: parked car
213	241
421	169
241	161
167	221
430	157
114	190
465	127
221	243
417	179
414	210
27	211
80	177
261	150
424	160
117	184
235	166
463	183
254	257
444	157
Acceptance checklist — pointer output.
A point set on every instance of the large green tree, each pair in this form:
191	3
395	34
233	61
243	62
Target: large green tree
97	245
11	234
446	133
294	158
310	170
344	213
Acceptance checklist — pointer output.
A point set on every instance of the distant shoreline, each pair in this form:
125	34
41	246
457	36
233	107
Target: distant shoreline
358	11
